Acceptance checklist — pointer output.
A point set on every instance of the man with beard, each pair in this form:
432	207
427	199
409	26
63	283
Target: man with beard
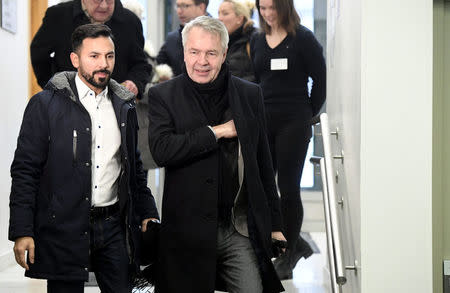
79	197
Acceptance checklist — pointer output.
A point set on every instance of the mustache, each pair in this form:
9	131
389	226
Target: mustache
102	71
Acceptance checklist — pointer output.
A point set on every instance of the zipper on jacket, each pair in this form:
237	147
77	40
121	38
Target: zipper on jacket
74	146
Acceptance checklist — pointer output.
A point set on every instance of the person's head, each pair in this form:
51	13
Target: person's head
187	10
93	55
135	7
277	13
100	11
235	13
205	43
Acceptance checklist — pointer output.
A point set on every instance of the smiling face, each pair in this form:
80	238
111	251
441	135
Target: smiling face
228	16
99	10
268	12
203	55
95	61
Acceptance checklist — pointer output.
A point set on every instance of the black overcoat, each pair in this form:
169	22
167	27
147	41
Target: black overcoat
181	141
51	179
51	46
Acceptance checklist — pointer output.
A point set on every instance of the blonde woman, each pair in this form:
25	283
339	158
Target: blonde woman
236	16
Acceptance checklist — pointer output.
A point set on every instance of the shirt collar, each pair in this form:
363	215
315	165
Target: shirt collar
84	91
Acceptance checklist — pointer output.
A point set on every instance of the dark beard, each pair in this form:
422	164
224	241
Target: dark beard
103	82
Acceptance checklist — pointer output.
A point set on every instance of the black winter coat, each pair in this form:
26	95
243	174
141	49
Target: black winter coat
54	36
238	55
181	141
51	179
171	53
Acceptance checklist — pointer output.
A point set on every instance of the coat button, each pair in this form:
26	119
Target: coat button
123	124
86	269
88	164
209	180
88	129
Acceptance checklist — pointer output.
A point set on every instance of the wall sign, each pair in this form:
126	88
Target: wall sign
8	10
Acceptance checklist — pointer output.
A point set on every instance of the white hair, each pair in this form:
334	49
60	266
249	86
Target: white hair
135	7
209	24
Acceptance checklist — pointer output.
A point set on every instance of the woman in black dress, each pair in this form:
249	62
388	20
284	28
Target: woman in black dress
285	55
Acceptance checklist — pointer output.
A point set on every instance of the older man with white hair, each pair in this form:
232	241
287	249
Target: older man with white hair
220	207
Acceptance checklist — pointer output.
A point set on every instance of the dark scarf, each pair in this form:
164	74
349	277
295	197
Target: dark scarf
214	103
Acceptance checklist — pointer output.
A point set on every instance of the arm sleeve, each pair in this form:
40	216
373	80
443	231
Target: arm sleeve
139	70
144	201
162	57
27	167
266	169
42	45
168	147
316	69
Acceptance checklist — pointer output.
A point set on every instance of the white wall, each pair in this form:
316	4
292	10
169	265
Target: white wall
380	96
343	107
396	145
14	84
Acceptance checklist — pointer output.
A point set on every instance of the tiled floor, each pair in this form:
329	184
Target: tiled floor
310	276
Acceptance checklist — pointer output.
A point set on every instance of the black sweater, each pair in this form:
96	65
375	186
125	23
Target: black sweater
286	91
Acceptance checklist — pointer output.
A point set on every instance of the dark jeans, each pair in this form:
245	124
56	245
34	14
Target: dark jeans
288	141
108	259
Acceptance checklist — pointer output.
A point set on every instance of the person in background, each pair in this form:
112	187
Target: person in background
171	53
51	47
79	198
236	15
220	207
285	55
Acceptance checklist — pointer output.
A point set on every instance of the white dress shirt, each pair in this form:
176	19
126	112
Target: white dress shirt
106	164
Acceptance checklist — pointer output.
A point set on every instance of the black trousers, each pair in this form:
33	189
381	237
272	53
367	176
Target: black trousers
108	257
288	141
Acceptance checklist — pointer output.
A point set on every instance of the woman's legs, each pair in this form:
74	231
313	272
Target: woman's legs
289	141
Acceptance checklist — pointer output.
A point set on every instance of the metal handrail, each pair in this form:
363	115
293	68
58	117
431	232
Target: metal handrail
335	287
332	198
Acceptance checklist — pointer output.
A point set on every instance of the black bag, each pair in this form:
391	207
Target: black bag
150	243
146	279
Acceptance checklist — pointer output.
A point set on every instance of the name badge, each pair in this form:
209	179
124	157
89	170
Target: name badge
279	64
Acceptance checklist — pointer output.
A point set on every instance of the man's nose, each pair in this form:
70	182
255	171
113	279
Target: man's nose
103	4
202	59
104	62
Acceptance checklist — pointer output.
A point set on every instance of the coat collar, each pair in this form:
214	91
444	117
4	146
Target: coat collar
64	81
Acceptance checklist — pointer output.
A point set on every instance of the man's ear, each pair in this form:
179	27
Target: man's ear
75	60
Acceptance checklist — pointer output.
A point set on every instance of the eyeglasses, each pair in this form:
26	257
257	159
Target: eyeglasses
183	6
100	1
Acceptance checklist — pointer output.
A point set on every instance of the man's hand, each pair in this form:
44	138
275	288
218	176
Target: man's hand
131	86
226	130
144	223
278	236
21	245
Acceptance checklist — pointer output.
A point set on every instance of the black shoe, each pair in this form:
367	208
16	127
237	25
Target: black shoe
283	267
302	249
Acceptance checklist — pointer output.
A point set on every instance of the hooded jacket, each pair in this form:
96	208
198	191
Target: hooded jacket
51	179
